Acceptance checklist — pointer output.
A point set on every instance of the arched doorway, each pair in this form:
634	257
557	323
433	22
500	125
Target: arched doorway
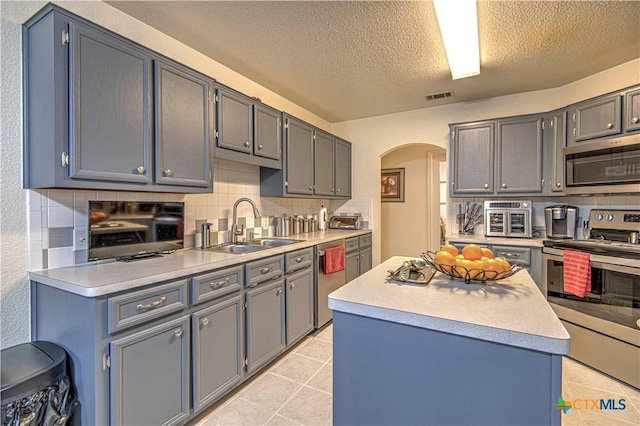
412	226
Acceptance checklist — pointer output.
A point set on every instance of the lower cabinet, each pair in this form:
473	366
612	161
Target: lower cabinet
217	350
365	260
149	375
265	319
299	305
358	256
352	265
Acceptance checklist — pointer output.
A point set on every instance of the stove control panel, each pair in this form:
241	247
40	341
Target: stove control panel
634	218
624	220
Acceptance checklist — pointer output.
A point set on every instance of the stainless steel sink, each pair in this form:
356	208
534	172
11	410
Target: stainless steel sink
237	248
272	242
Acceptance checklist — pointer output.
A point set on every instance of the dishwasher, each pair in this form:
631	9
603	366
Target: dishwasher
326	284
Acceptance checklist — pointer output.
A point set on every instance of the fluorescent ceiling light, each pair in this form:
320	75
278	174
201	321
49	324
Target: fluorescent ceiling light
458	21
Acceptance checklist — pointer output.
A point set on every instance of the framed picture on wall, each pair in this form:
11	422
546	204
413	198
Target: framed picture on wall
392	185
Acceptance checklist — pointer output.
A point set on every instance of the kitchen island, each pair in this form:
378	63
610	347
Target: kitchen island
446	352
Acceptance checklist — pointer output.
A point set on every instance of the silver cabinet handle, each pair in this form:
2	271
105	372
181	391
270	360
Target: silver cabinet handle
486	186
266	269
178	332
279	291
276	277
141	170
152	305
298	259
292	286
168	173
609	125
247	144
310	188
204	321
634	120
219	284
511	254
338	189
65	159
558	185
260	147
504	185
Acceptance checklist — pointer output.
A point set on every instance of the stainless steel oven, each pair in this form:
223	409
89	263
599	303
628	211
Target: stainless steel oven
604	324
611	166
507	219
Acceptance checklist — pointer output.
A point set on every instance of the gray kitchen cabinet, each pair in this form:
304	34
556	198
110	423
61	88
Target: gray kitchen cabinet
299	304
217	350
472	158
632	111
183	133
324	164
358	256
89	111
248	131
518	139
555	139
109	108
316	164
153	361
343	169
595	118
265	323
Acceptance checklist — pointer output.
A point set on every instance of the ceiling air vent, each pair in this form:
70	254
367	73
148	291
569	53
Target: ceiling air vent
439	95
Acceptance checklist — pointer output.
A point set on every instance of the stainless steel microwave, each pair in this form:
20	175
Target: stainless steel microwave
603	167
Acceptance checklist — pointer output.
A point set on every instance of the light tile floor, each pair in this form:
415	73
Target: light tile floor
297	390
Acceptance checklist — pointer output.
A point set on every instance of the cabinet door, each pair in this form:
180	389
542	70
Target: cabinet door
299	305
365	260
597	118
299	160
150	375
324	155
343	169
265	318
519	155
267	132
472	158
352	265
217	350
555	139
183	127
109	107
632	111
234	121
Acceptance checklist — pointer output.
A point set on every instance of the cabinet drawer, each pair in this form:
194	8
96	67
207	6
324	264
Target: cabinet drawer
351	244
299	259
365	240
518	255
216	284
264	270
138	307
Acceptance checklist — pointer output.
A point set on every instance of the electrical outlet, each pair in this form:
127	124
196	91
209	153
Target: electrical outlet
80	239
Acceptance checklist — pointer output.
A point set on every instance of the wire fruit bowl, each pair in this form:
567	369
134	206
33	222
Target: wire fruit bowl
459	272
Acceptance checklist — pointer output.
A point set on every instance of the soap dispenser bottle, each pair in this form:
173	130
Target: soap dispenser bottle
322	218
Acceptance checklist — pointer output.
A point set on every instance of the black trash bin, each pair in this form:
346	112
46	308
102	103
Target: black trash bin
35	387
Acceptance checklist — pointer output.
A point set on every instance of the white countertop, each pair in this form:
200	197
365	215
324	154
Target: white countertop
480	239
106	277
512	311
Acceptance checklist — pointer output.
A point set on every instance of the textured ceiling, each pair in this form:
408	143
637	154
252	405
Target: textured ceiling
344	60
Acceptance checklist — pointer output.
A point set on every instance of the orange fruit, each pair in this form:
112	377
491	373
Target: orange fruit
472	252
444	261
451	249
459	257
493	268
504	262
486	252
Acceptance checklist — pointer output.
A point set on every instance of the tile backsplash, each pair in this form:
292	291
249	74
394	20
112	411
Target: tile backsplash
58	217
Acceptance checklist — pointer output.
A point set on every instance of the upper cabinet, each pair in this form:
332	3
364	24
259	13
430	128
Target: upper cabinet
97	116
555	139
595	118
632	110
248	131
484	157
315	164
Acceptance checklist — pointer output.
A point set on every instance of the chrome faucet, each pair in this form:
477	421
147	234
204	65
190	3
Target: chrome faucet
234	226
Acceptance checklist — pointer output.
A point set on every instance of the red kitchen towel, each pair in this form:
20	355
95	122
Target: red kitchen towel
333	259
576	272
